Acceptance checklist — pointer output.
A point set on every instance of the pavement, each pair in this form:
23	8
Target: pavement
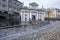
52	27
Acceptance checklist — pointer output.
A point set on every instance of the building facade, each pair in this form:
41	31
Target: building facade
9	9
10	5
32	13
57	13
53	12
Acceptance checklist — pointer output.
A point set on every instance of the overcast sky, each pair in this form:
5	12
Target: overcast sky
45	3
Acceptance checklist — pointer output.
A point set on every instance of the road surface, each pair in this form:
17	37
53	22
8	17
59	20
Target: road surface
34	33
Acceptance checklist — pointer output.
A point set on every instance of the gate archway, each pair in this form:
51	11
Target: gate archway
33	17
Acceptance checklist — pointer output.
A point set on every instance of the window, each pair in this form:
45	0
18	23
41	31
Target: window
26	11
3	0
25	19
22	11
34	12
3	5
40	13
25	15
40	16
10	6
10	1
58	15
40	19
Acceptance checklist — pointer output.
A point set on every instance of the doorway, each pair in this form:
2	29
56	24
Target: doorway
33	17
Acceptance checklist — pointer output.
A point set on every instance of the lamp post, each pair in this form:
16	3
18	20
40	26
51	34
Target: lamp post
49	16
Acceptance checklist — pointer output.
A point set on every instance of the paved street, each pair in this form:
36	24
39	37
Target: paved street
35	34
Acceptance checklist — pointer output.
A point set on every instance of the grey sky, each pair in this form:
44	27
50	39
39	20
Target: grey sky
45	3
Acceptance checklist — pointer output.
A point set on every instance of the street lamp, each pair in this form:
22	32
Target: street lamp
49	16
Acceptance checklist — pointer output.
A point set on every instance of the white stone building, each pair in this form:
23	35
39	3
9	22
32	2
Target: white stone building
57	13
32	12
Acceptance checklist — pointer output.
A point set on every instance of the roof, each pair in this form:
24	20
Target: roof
26	8
19	1
33	4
